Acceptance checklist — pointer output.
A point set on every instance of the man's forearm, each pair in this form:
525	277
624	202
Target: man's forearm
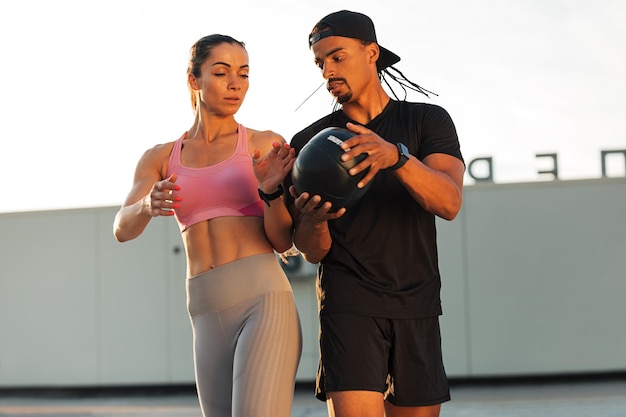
312	239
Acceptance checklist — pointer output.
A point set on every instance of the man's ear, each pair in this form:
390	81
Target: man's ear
374	52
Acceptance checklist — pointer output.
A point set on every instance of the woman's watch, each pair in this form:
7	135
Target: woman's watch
269	197
403	156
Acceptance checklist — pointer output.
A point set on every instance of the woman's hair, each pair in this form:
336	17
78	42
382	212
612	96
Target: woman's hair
200	52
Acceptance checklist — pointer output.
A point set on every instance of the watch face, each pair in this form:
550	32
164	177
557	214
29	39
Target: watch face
404	151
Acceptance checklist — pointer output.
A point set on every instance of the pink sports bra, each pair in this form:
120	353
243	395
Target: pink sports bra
228	188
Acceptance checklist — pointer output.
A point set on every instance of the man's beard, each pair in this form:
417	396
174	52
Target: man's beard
344	98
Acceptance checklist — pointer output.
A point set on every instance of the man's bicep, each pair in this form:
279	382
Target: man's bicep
450	165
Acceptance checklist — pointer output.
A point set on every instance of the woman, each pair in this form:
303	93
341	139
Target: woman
247	337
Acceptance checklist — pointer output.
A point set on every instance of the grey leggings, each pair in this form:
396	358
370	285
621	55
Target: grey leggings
247	338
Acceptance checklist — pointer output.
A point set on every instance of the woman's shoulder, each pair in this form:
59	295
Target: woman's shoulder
262	135
263	139
157	156
159	151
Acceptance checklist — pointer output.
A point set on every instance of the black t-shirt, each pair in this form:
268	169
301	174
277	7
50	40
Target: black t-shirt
383	259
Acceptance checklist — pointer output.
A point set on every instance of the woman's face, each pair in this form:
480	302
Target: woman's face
223	82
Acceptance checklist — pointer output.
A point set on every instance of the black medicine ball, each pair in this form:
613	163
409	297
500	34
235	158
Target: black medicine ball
319	170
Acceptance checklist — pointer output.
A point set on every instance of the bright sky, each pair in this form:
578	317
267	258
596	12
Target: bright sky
87	86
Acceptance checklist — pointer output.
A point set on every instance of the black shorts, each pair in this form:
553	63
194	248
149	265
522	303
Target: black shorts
400	358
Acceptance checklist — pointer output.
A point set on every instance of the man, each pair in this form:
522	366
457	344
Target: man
378	280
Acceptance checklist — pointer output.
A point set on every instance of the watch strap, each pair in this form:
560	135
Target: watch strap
403	157
269	197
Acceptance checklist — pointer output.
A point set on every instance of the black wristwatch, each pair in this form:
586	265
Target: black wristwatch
269	197
403	156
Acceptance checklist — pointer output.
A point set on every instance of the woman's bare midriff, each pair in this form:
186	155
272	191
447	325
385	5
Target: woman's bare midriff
218	241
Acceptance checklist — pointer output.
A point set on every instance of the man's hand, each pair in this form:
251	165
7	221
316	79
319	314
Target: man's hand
380	153
312	208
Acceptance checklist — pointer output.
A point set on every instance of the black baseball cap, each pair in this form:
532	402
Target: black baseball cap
357	26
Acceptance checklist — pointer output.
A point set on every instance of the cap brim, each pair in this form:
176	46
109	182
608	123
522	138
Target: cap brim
386	59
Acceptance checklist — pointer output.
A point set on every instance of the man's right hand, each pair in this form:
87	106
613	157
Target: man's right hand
310	207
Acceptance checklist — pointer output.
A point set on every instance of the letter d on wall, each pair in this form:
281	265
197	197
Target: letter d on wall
485	164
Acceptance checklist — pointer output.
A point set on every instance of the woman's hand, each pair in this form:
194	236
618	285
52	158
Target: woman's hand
271	169
161	200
